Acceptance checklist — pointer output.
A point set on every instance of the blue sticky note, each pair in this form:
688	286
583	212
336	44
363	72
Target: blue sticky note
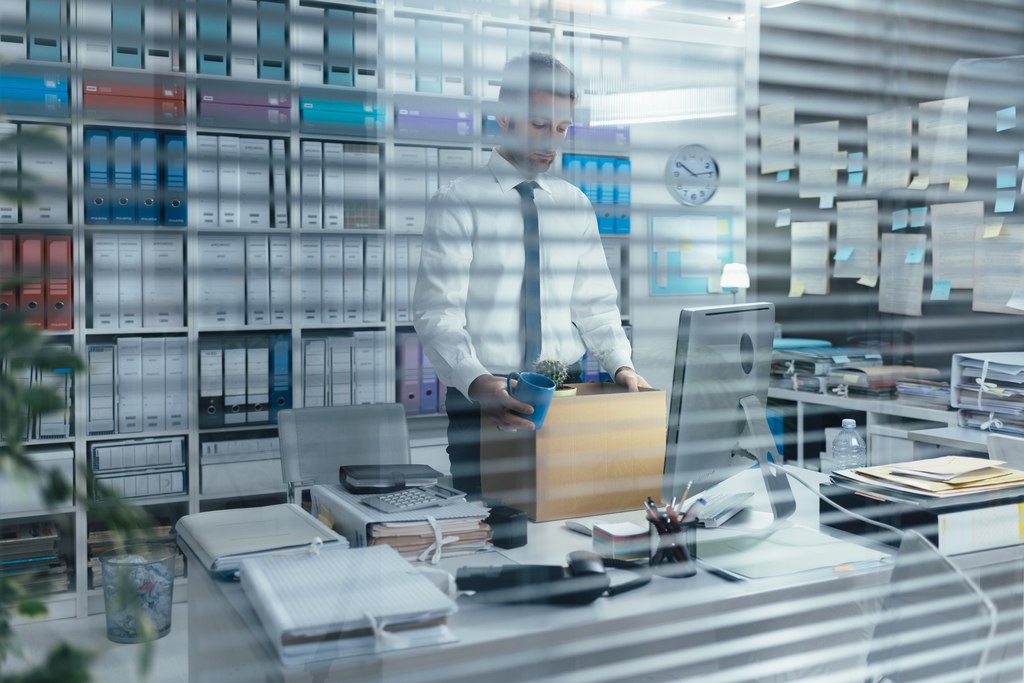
941	289
1006	119
840	359
1006	176
855	162
844	254
1005	200
914	256
900	219
855	179
918	216
782	176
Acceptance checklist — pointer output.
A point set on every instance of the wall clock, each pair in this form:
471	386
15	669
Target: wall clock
691	174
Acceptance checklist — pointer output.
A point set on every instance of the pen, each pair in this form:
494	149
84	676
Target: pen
686	491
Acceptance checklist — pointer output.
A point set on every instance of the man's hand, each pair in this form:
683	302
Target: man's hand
628	378
492	395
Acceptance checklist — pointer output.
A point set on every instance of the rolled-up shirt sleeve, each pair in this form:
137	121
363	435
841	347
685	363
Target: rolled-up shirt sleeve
442	290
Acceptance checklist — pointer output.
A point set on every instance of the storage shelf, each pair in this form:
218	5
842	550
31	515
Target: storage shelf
217	230
246	494
235	428
135	435
244	328
36	227
134	227
62	510
134	331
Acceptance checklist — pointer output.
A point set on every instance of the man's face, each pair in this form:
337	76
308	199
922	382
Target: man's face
533	137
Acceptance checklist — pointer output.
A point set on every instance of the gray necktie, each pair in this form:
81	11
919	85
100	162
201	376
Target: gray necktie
531	273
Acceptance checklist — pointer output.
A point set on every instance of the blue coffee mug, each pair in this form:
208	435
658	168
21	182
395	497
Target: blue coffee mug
534	389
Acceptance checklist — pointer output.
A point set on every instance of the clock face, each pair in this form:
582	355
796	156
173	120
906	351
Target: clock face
691	174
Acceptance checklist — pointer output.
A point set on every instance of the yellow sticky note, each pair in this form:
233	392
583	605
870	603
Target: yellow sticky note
685	246
920	182
958	183
868	280
993	228
722	227
797	288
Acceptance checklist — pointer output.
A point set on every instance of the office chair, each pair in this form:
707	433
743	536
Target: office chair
315	442
1008	448
935	624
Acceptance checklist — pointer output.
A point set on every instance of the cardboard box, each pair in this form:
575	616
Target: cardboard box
600	451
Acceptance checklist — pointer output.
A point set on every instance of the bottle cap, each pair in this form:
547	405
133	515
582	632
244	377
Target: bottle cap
849	424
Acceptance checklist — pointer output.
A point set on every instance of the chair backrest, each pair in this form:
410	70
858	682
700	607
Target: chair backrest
315	442
1008	448
935	624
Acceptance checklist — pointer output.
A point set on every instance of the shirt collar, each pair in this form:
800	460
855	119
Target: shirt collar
508	176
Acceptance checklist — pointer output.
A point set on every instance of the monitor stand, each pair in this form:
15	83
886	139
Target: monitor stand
758	444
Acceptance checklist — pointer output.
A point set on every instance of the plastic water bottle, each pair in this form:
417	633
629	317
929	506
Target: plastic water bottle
848	449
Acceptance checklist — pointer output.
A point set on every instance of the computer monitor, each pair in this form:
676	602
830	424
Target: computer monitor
716	420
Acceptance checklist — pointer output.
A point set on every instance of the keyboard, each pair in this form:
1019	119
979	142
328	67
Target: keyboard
720	507
414	498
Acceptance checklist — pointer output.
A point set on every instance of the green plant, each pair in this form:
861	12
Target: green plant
553	369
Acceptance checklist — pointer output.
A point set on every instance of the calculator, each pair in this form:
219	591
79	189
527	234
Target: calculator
414	498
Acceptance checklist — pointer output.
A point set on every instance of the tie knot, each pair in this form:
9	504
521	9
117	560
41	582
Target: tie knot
526	188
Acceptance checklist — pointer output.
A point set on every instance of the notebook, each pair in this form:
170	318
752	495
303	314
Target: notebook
221	539
342	602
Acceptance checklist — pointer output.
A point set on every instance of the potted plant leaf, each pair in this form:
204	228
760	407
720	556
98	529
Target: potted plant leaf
557	372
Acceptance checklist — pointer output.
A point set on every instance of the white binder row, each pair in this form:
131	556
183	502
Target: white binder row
46	164
244	280
597	61
54	425
340	185
140	34
138	384
137	280
430	56
502	43
137	454
415	176
240	466
242	181
407	263
344	370
341	278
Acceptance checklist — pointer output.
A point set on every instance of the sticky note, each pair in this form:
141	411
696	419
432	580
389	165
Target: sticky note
782	176
844	254
1016	299
918	216
722	227
1020	160
958	183
900	219
855	162
855	179
868	280
920	182
914	256
797	289
1006	176
826	201
1006	119
941	290
685	246
784	218
993	228
1005	200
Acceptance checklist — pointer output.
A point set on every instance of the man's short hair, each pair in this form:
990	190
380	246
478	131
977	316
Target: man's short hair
535	72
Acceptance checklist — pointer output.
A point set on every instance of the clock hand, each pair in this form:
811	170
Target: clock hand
687	169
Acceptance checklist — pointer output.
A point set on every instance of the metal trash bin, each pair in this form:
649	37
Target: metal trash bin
138	586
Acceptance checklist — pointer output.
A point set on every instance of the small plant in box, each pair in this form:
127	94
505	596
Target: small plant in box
557	372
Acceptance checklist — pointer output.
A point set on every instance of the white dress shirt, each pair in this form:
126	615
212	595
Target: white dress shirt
466	308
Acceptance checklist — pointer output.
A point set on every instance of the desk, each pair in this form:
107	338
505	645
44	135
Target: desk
670	630
960	438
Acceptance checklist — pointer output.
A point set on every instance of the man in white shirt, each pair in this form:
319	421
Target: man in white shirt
512	267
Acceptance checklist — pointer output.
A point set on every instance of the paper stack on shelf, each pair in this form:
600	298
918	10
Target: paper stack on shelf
31	552
923	392
343	602
459	526
806	368
874	381
988	388
945	477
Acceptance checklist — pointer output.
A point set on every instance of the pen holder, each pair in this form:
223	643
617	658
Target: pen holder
673	549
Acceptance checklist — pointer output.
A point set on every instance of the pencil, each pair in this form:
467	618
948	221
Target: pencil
686	491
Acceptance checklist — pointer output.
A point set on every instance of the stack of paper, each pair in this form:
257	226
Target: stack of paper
949	476
923	392
807	368
988	388
876	381
345	602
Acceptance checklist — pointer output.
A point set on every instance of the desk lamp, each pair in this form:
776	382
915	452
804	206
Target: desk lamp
735	275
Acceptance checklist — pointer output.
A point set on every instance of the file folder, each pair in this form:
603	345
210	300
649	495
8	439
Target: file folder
310	289
332	279
605	206
59	274
97	177
154	417
373	279
175	203
8	270
402	299
409	372
280	280
163	277
176	382
280	375
339	350
212	37
148	178
273	45
451	164
56	424
244	33
12	30
229	149
309	41
44	158
334	186
123	186
32	296
353	279
428	56
32	93
493	62
129	278
257	383
207	181
234	381
9	174
279	181
453	55
340	47
362	186
404	74
94	33
105	286
127	34
365	49
623	193
380	356
257	280
160	20
314	373
211	383
101	407
129	385
409	188
221	285
312	184
254	181
428	386
362	367
45	27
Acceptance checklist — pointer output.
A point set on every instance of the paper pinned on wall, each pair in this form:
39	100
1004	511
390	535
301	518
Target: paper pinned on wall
1006	177
684	250
941	290
890	144
998	270
1006	119
942	138
857	230
855	179
843	254
958	183
784	218
1016	300
809	254
777	143
782	176
826	201
855	162
993	228
1005	200
955	228
900	219
914	256
819	143
902	282
918	216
